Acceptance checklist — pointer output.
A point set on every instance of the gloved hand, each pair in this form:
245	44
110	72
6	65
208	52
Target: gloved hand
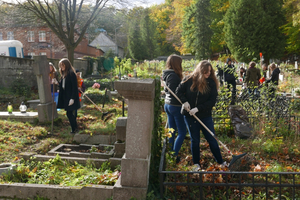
71	102
193	111
54	81
187	106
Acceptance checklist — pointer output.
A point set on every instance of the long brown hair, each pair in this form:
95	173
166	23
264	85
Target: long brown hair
68	67
52	73
199	79
272	66
174	62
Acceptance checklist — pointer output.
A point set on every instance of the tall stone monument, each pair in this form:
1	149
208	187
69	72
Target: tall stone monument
47	106
135	163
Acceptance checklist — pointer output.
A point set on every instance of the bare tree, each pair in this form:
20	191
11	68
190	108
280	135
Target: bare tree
68	19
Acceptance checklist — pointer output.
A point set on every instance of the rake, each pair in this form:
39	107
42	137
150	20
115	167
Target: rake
104	114
234	157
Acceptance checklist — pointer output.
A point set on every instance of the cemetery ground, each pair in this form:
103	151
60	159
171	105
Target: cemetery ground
19	137
273	147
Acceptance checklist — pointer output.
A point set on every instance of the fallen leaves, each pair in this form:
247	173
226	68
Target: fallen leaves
257	168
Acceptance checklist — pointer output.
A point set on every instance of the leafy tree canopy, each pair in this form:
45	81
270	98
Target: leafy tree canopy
253	26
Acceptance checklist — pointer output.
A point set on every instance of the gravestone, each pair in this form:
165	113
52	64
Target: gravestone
95	72
135	162
46	106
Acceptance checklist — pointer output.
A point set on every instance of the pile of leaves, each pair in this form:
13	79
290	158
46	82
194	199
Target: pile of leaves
59	172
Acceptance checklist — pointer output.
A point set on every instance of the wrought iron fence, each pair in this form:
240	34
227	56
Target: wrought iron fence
227	185
278	105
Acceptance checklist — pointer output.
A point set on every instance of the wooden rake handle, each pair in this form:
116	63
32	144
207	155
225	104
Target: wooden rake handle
90	100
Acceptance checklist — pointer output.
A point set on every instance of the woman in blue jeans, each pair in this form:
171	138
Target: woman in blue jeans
198	92
173	76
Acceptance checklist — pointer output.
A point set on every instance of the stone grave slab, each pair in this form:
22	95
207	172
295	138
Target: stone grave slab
101	151
94	139
18	116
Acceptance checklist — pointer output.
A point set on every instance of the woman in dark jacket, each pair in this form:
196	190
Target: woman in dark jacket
229	75
199	92
275	71
252	78
173	76
68	92
274	78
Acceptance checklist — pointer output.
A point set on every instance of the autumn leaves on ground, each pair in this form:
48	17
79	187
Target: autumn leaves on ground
273	147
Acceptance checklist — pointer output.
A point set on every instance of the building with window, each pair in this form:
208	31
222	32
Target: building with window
42	41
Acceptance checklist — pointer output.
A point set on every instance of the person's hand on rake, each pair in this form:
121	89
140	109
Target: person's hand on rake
193	111
186	106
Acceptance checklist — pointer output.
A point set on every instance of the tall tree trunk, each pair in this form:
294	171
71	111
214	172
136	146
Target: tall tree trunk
70	50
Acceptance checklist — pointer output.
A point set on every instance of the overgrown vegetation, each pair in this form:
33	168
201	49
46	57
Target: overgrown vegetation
156	143
59	172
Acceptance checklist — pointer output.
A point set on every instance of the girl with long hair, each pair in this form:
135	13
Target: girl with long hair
173	76
199	92
68	98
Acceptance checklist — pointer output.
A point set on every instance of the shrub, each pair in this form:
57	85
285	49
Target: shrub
20	88
104	83
95	95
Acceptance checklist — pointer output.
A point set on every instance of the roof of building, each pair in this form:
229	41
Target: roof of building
103	40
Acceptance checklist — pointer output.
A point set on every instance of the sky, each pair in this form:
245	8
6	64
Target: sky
152	2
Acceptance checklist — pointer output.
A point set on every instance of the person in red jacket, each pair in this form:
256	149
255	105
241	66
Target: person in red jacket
80	84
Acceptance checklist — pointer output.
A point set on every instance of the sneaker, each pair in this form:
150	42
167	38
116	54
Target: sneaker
196	168
224	164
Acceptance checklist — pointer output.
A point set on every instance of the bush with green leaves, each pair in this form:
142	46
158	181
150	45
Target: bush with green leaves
20	87
104	83
96	95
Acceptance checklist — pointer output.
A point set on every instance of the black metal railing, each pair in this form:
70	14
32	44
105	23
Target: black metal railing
227	185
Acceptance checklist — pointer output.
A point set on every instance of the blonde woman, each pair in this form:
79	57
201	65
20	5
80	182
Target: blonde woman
199	92
68	98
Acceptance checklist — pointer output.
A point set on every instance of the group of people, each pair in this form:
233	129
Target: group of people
253	78
70	88
198	94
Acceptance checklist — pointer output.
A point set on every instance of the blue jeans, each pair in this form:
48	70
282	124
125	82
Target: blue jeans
175	121
194	128
255	91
